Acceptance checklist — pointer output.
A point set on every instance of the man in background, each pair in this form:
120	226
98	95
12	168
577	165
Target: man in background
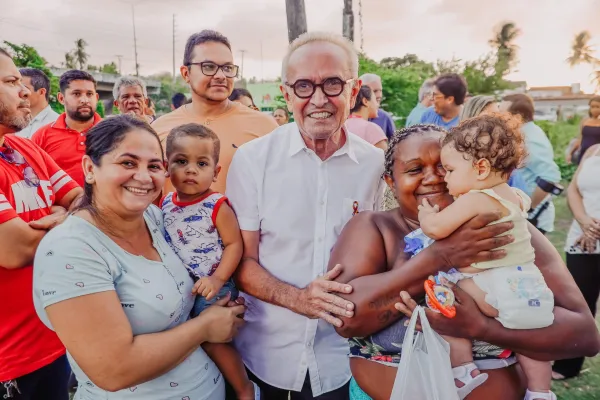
41	113
209	70
64	139
383	119
178	100
131	95
448	96
424	103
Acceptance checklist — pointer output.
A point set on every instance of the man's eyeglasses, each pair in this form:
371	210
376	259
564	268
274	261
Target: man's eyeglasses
209	68
332	87
435	95
12	156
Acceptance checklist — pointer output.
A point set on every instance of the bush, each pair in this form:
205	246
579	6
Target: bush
560	135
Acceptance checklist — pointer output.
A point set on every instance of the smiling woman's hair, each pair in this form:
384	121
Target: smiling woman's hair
495	137
365	92
102	139
402	134
197	131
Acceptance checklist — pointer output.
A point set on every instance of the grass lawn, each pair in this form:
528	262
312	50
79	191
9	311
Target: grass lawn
587	385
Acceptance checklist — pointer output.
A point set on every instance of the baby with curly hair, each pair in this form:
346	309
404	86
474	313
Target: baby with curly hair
479	156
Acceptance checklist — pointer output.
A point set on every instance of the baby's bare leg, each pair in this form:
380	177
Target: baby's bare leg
230	364
479	296
539	373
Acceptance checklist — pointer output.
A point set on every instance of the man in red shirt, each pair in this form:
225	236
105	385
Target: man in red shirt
64	139
34	196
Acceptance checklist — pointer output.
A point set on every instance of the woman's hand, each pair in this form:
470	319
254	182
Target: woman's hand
475	241
469	322
222	320
591	227
586	243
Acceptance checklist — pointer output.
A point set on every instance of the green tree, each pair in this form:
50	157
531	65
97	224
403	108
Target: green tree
80	55
506	49
582	52
110	68
167	89
69	62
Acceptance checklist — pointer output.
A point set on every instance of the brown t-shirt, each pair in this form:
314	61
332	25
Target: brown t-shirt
234	128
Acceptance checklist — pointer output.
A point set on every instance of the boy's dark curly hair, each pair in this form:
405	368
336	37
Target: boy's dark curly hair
495	137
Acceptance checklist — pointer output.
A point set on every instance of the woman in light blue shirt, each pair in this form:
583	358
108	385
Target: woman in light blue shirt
113	290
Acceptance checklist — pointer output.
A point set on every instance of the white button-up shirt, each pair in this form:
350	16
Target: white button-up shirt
45	117
300	204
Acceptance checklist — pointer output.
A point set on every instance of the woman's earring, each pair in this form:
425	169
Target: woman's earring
89	178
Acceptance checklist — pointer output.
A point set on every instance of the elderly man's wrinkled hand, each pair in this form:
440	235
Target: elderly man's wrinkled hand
59	214
318	299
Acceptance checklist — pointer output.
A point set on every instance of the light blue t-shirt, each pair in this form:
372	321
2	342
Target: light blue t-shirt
415	115
539	163
76	259
431	117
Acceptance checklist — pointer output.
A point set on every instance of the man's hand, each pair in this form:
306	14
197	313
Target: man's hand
59	214
318	301
208	286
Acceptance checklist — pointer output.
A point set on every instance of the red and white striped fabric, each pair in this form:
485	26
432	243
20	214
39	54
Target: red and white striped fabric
17	199
25	343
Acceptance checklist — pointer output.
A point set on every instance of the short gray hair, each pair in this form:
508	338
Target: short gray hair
327	37
125	81
475	105
426	88
369	77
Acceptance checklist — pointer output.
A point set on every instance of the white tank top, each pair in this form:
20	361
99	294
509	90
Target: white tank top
589	187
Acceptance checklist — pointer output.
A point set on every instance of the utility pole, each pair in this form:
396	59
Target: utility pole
296	18
174	48
137	66
242	73
119	58
262	76
348	20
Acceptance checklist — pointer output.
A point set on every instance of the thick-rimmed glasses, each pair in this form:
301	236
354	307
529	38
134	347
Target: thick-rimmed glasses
210	68
332	87
12	156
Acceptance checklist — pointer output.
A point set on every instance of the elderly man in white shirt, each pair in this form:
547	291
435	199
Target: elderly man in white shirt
41	113
293	191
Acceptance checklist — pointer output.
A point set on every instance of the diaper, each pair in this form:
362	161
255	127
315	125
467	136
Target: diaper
520	295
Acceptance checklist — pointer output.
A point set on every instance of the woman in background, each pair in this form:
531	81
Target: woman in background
582	246
243	96
358	122
281	115
590	132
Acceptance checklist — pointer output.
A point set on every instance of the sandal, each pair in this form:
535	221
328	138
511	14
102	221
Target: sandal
463	374
540	395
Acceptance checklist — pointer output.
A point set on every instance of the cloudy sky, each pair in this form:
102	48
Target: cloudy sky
431	29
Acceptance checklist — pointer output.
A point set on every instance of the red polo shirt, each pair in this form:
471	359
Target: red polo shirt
65	145
26	345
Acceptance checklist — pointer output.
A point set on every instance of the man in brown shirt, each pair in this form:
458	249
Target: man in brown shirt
209	70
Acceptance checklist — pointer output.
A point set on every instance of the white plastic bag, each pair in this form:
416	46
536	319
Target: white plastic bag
424	372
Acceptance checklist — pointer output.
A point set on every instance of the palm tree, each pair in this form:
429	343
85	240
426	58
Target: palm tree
503	42
81	57
582	51
70	61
